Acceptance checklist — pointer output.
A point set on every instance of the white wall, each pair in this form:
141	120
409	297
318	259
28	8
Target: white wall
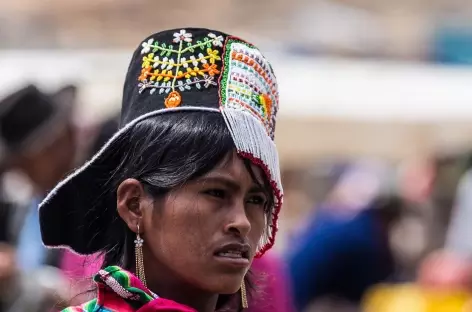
318	87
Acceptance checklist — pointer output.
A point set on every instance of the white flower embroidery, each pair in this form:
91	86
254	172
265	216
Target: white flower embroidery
209	81
216	40
164	62
194	60
147	46
171	64
156	61
201	57
183	61
182	36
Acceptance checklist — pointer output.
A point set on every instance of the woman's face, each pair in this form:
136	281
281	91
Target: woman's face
205	233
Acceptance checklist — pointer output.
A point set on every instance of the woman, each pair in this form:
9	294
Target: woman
187	192
274	284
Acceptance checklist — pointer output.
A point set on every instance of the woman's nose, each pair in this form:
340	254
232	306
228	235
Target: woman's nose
238	222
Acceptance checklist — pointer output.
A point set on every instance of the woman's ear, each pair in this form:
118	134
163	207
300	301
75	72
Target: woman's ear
130	197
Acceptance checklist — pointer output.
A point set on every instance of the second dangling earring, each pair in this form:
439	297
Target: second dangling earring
139	257
244	295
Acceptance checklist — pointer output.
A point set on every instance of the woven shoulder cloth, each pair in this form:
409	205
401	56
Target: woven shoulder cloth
121	291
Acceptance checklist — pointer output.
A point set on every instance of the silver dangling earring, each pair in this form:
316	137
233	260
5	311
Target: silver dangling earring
244	295
139	257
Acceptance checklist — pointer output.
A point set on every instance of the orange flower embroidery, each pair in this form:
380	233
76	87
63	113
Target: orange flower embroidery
145	72
173	99
211	69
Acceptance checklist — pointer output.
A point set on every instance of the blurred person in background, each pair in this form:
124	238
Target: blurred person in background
443	280
38	131
344	249
451	266
38	139
8	267
418	230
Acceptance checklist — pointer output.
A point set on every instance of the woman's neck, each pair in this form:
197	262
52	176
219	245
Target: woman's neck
166	284
183	294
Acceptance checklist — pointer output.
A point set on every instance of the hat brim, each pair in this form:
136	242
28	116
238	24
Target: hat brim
64	218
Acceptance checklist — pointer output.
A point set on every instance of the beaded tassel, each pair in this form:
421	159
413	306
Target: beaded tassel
139	258
244	295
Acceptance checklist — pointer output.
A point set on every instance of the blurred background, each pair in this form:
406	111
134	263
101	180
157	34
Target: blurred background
374	134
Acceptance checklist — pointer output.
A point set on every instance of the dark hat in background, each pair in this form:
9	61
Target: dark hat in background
105	132
179	70
31	119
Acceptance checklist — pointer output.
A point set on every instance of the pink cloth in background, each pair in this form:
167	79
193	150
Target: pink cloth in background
78	267
80	271
274	290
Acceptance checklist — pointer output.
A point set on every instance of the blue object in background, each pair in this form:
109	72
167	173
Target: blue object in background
452	45
339	256
31	251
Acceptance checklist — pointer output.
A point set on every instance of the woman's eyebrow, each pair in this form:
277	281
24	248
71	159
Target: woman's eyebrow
220	179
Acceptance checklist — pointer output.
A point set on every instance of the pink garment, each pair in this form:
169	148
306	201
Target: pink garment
165	305
273	289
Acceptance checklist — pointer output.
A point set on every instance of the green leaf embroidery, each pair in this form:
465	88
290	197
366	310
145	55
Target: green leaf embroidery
169	50
200	44
155	46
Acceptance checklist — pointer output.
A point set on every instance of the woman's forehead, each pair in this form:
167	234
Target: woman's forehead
238	168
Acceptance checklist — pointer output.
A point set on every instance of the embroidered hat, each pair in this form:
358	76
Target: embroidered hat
179	70
31	119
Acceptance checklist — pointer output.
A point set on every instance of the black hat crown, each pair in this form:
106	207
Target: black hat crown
191	67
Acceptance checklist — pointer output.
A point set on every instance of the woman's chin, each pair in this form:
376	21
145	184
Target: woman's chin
224	285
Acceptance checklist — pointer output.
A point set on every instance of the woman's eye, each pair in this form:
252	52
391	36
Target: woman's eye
216	193
257	200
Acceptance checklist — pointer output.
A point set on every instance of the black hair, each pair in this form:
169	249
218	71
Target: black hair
163	152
